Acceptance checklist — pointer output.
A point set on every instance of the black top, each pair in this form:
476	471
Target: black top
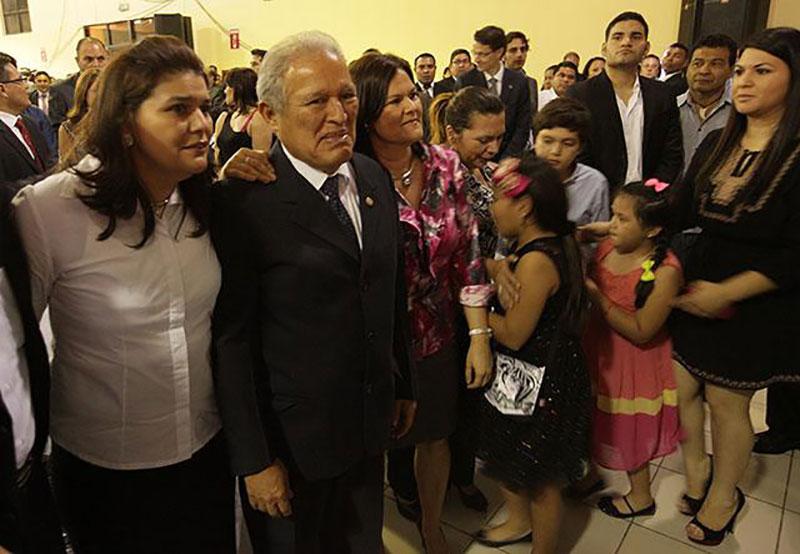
229	141
741	232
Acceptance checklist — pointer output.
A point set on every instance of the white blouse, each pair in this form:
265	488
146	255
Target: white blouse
132	385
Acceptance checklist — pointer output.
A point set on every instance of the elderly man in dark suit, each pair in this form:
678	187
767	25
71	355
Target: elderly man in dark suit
28	521
636	127
510	85
23	151
313	371
89	52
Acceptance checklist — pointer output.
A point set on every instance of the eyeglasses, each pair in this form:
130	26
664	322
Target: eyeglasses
18	81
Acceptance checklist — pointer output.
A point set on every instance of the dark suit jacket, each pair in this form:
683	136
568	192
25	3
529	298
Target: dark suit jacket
15	162
310	339
57	106
445	85
426	107
516	97
12	259
662	150
677	83
533	88
66	88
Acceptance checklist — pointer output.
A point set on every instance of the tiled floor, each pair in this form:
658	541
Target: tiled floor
769	524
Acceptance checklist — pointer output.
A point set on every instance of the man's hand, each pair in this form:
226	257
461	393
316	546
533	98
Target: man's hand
249	165
269	491
403	417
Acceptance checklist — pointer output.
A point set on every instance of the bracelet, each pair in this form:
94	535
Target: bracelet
480	331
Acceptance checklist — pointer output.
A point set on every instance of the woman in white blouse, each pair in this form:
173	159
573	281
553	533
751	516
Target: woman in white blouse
118	250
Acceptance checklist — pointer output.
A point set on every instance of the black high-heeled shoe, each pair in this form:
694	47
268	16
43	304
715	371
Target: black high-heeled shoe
694	504
713	537
481	538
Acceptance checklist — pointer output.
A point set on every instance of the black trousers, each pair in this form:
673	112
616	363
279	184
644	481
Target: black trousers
342	515
783	410
36	529
183	508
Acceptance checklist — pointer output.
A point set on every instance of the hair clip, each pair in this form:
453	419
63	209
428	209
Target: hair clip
509	169
647	274
656	184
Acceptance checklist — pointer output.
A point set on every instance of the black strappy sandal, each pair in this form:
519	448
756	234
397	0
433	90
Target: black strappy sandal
712	537
606	505
694	504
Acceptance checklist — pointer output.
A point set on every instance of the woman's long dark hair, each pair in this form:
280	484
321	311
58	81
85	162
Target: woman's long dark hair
242	80
783	43
372	74
124	84
549	200
652	209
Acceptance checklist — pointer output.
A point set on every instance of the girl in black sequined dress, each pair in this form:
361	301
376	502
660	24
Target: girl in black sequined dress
534	456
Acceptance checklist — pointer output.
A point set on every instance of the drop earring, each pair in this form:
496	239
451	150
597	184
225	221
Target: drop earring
127	140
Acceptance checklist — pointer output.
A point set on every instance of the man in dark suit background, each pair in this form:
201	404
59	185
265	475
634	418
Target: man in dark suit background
425	72
460	63
510	85
674	64
50	101
23	151
517	49
90	52
636	128
28	521
312	366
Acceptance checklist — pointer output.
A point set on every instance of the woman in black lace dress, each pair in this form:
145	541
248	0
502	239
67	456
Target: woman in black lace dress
738	322
535	444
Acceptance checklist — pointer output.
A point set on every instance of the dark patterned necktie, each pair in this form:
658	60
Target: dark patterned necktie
330	188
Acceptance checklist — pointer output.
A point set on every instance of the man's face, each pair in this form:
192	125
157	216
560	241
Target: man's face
425	69
564	78
674	60
317	123
42	83
709	70
547	82
626	45
460	65
13	95
572	57
255	62
516	53
651	67
91	54
486	59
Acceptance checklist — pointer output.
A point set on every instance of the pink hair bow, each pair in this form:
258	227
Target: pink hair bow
509	169
656	184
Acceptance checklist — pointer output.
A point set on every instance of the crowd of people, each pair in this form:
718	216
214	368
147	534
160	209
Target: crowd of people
303	275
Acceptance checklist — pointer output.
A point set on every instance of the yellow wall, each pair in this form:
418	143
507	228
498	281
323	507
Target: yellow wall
784	13
404	27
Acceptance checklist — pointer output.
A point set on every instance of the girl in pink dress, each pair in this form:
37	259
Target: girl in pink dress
633	283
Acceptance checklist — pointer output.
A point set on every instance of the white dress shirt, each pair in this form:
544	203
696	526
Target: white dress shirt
632	116
131	380
545	96
14	378
499	77
10	121
348	191
43	100
428	89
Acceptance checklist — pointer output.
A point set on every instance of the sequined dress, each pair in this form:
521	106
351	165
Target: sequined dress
552	445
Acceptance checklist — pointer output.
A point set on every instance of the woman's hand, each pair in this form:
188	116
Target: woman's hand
593	290
593	232
249	165
705	299
508	287
480	362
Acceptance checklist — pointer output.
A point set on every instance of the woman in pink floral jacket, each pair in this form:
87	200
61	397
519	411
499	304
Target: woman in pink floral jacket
443	268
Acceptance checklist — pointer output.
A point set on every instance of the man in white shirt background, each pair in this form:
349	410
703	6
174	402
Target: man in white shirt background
565	76
673	66
425	71
51	101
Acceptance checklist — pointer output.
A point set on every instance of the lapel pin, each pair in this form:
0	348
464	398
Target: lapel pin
370	202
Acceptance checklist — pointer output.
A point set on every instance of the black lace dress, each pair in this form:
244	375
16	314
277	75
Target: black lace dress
552	445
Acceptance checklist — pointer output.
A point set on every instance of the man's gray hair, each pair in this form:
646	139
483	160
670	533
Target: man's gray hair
279	57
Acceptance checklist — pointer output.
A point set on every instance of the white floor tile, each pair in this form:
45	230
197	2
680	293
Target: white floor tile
793	496
765	478
470	521
400	536
640	539
756	529
790	534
